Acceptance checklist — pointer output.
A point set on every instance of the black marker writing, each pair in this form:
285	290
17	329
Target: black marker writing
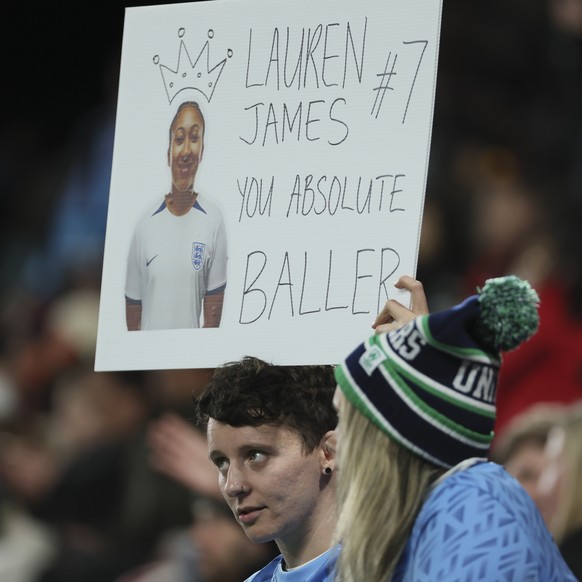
273	124
274	281
315	58
330	194
424	44
254	198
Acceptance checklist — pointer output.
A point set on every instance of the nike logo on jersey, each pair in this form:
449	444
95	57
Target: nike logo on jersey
148	261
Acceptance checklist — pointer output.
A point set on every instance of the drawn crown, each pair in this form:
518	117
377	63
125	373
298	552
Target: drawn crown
197	75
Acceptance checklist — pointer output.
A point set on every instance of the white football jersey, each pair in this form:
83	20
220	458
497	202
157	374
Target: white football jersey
174	261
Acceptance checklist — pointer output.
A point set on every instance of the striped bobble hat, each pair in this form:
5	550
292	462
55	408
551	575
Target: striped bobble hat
431	385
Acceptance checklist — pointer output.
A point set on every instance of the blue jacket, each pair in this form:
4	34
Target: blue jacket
480	524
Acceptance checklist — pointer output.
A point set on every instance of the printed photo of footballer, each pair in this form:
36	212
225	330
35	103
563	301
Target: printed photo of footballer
176	267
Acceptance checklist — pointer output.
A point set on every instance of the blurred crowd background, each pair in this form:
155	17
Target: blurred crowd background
102	477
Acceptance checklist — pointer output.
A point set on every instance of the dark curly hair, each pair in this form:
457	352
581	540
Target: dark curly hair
252	392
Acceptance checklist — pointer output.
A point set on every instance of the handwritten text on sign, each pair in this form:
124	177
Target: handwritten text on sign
328	55
317	121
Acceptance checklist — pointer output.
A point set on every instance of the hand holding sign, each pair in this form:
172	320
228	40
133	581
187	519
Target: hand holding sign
394	314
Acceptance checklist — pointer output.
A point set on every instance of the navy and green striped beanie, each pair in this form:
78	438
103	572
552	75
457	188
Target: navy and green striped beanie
431	385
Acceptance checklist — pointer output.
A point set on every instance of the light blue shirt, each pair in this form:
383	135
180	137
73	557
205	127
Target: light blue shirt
320	569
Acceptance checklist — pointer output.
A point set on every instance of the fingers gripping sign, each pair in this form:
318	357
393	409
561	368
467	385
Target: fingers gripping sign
394	315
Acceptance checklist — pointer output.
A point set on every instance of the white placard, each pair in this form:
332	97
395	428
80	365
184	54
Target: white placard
316	138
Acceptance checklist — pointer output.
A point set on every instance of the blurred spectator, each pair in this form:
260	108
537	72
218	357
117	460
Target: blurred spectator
37	345
514	232
225	552
214	548
548	368
521	449
88	477
560	484
26	546
567	15
181	452
510	226
174	389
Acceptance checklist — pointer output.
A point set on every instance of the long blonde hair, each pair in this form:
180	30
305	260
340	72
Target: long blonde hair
382	486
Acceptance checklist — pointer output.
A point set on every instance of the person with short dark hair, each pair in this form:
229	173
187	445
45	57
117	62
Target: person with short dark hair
271	435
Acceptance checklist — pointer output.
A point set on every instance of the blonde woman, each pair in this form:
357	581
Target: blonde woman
419	501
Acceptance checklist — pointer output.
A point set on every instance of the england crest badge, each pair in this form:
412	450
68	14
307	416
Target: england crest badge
198	254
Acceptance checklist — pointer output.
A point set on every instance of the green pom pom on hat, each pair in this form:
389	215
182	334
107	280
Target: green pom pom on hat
509	313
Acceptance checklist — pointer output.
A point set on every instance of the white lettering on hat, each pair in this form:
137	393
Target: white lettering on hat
371	359
485	389
407	341
397	337
477	379
411	349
